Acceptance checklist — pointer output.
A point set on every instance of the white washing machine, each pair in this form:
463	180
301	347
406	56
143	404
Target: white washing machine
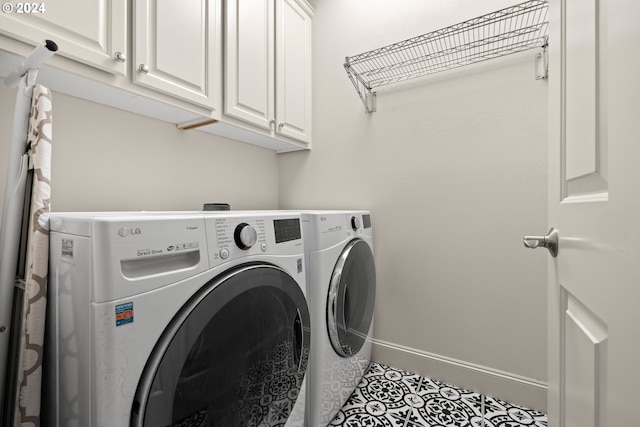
341	286
176	319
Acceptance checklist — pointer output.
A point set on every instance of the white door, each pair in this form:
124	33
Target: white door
178	49
594	202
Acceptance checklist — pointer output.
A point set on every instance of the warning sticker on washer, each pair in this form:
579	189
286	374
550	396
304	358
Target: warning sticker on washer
67	248
124	313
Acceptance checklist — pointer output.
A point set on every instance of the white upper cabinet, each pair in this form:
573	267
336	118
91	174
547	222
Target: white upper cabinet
293	70
268	65
250	67
98	39
177	49
164	59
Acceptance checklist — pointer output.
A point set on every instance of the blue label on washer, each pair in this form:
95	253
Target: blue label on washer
124	313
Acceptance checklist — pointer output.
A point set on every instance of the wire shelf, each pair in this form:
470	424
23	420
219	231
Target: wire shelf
506	31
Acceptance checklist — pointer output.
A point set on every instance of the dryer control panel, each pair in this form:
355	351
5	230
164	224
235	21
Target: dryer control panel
332	227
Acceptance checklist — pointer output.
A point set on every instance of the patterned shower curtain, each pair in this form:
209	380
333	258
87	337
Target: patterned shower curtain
35	295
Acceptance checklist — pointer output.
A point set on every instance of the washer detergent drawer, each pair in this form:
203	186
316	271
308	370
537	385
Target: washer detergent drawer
154	265
140	256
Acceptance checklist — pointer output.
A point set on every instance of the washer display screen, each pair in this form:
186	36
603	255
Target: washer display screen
287	229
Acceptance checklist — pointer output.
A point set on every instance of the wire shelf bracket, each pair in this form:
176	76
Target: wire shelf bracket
510	30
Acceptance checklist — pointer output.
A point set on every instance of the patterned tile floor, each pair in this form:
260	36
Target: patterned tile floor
392	397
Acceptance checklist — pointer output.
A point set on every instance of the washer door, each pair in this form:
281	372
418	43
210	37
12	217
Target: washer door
352	294
235	355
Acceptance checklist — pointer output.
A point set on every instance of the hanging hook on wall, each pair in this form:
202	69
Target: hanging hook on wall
39	56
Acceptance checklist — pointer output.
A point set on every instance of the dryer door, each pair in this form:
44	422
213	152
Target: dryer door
351	298
235	355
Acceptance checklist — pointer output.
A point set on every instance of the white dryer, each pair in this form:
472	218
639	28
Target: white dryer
341	286
176	319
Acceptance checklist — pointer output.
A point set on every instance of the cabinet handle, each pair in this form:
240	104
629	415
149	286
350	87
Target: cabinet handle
280	126
272	123
120	57
143	69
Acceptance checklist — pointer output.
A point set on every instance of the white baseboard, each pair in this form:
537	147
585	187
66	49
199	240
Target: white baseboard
502	385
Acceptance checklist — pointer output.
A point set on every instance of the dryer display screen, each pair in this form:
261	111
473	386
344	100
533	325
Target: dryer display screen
287	229
366	221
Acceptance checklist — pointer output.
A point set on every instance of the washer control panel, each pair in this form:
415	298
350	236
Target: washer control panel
232	236
355	223
240	233
245	236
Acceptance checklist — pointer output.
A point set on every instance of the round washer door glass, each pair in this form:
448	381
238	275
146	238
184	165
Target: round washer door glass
235	355
351	298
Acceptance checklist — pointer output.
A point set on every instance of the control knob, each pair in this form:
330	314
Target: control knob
245	236
355	223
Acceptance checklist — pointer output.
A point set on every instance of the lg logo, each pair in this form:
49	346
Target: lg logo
126	231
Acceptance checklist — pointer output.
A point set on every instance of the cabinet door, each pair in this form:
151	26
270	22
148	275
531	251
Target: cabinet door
293	72
249	88
177	48
91	32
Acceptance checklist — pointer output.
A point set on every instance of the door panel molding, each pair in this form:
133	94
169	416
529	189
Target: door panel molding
584	111
584	378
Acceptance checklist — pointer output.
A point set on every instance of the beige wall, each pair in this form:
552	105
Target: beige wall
108	159
453	169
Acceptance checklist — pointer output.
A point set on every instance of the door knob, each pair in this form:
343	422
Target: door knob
550	241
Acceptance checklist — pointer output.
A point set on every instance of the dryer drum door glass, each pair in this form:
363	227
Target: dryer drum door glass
235	355
351	298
